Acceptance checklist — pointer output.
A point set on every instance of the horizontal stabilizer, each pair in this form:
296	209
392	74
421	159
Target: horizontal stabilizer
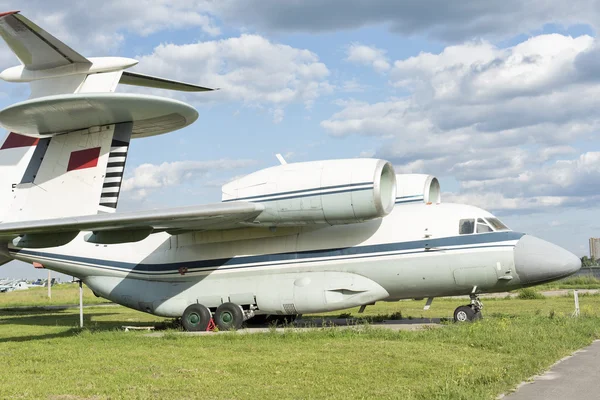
137	79
36	48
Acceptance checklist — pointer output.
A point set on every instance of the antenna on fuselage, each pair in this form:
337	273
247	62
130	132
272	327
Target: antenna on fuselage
281	159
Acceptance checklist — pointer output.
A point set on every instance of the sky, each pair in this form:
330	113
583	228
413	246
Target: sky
498	99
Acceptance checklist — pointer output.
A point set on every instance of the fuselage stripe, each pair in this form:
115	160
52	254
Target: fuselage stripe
191	270
477	241
295	192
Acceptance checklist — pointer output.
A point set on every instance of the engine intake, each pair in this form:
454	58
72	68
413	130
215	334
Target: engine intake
416	188
332	192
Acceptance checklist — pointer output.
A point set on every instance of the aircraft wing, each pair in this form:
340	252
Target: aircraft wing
135	226
36	48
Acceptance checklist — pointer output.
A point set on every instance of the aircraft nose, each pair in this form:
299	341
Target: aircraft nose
538	261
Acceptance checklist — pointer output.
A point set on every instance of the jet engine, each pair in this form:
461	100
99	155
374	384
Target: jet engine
332	192
416	188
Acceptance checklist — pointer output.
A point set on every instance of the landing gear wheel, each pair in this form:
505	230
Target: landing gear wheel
196	318
478	316
229	317
464	314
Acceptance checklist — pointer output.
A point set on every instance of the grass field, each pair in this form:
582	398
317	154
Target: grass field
46	356
573	282
67	293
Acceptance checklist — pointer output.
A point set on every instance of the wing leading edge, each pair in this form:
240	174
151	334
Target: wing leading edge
131	226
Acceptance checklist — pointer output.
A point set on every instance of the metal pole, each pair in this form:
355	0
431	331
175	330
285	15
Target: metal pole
49	284
80	304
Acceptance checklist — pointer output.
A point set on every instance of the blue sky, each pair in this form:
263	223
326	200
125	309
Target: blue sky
499	101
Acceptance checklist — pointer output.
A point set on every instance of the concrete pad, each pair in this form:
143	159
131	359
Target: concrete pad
310	324
574	377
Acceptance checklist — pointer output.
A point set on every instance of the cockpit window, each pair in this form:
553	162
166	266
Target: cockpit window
466	226
497	224
483	228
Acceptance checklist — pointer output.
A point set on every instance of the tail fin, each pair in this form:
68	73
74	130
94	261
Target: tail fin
32	184
73	174
78	172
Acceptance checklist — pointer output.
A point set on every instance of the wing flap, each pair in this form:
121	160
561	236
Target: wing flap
36	48
205	217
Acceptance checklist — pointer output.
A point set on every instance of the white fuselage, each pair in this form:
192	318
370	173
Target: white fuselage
414	252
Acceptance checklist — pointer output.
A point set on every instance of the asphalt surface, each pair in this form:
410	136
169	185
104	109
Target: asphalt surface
574	377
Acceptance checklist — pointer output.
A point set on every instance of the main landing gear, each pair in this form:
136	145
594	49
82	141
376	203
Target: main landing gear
471	312
227	317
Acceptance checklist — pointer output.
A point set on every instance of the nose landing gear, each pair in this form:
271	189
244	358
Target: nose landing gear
471	312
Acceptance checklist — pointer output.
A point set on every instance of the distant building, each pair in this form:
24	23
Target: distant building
595	248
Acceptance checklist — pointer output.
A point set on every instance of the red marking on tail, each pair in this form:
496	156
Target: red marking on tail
15	140
83	159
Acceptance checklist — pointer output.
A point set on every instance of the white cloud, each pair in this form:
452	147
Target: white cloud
277	114
502	204
481	72
149	177
99	30
249	68
353	86
367	55
501	121
447	21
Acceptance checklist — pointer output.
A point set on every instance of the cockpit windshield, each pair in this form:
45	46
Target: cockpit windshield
481	225
497	224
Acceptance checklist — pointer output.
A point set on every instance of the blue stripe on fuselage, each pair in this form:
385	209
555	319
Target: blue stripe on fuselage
302	192
473	239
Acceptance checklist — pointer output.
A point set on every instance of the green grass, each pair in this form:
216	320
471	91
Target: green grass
67	293
530	294
46	356
573	282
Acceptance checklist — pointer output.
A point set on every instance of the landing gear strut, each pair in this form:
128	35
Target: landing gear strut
471	312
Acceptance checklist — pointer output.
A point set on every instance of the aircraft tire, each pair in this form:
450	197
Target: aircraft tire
464	314
478	316
196	318
229	317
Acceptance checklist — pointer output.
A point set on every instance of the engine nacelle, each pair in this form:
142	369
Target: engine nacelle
332	192
413	188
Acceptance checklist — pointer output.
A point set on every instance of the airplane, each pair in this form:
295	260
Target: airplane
295	238
13	285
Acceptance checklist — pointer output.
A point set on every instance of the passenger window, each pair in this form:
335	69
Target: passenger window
466	226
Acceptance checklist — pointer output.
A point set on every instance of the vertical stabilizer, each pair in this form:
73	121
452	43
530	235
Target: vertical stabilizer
71	175
79	172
